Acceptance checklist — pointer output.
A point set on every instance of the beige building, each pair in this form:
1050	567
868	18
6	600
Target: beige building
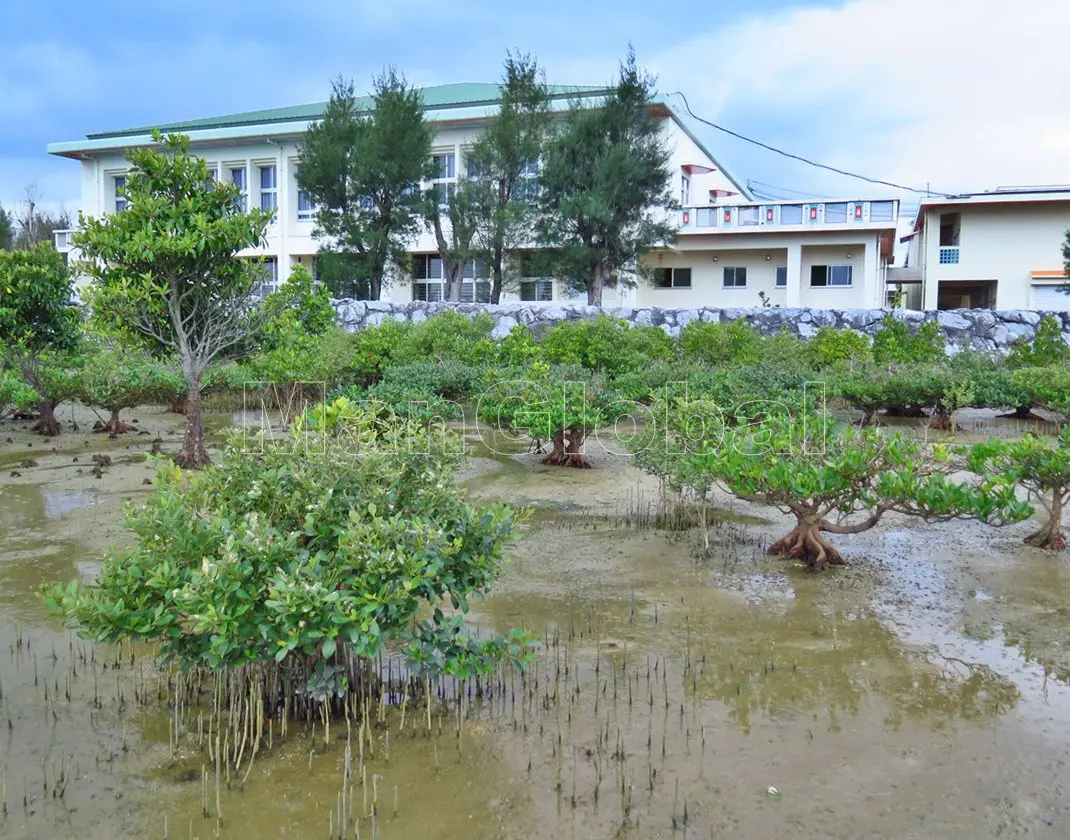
993	250
731	250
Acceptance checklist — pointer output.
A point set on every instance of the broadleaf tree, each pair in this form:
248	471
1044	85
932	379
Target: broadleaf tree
604	188
362	166
503	167
452	219
166	271
39	323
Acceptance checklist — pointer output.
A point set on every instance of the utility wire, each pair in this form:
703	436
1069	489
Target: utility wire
764	187
801	159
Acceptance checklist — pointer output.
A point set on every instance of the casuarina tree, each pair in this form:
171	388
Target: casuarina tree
604	187
38	322
503	166
362	165
166	272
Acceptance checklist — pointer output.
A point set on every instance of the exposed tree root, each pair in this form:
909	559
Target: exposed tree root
46	424
1050	536
806	543
114	426
572	456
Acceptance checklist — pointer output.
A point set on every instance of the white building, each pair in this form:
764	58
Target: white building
992	250
730	248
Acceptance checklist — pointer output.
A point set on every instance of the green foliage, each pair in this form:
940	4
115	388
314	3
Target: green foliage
1041	466
115	378
36	303
721	342
1046	348
359	166
447	335
15	395
835	348
518	348
606	345
7	230
835	479
1047	387
450	379
271	558
298	308
895	343
604	195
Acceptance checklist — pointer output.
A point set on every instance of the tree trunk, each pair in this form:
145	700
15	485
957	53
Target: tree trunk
595	286
375	283
570	455
807	543
114	426
496	274
47	424
941	419
1051	535
193	454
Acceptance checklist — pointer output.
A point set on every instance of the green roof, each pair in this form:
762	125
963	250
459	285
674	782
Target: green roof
436	98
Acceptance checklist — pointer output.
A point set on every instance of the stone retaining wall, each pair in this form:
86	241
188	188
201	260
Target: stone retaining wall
981	329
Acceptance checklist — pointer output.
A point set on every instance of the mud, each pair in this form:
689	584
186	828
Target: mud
681	689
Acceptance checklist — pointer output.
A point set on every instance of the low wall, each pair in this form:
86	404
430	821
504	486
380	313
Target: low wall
981	329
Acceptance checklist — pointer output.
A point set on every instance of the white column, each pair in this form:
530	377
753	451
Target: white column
929	252
282	214
871	290
793	292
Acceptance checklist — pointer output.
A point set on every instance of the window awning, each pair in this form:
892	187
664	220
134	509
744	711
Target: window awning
697	168
1047	274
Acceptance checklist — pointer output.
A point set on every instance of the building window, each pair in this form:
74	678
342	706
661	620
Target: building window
881	211
426	277
269	278
791	214
120	201
475	287
748	216
950	228
781	281
685	190
445	181
673	278
237	177
306	208
212	175
735	277
822	276
836	213
537	289
269	189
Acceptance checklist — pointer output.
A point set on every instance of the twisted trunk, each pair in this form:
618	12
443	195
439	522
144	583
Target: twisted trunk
194	454
1051	535
596	285
807	542
1023	412
567	450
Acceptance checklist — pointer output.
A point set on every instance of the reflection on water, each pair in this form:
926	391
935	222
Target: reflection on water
58	503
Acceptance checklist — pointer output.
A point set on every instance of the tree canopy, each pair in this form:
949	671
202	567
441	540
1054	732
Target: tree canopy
363	169
604	187
166	272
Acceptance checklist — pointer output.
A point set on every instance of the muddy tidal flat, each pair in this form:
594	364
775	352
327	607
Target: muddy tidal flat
680	690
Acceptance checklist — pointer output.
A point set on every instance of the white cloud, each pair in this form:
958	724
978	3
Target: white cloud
965	94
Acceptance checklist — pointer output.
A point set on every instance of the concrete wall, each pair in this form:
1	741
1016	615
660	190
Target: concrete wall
980	329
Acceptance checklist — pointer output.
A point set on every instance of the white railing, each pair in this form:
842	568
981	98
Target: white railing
789	215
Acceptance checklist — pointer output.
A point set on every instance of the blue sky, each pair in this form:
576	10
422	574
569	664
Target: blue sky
962	94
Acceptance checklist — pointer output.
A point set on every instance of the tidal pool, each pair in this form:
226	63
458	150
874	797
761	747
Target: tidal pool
676	693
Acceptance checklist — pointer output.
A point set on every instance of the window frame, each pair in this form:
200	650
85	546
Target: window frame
748	216
829	275
671	272
272	191
873	217
118	182
241	201
778	271
735	270
538	286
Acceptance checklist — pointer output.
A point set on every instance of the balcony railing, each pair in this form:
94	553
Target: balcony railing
62	239
949	255
789	216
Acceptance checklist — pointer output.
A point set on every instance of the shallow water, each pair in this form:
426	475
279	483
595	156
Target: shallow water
671	693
